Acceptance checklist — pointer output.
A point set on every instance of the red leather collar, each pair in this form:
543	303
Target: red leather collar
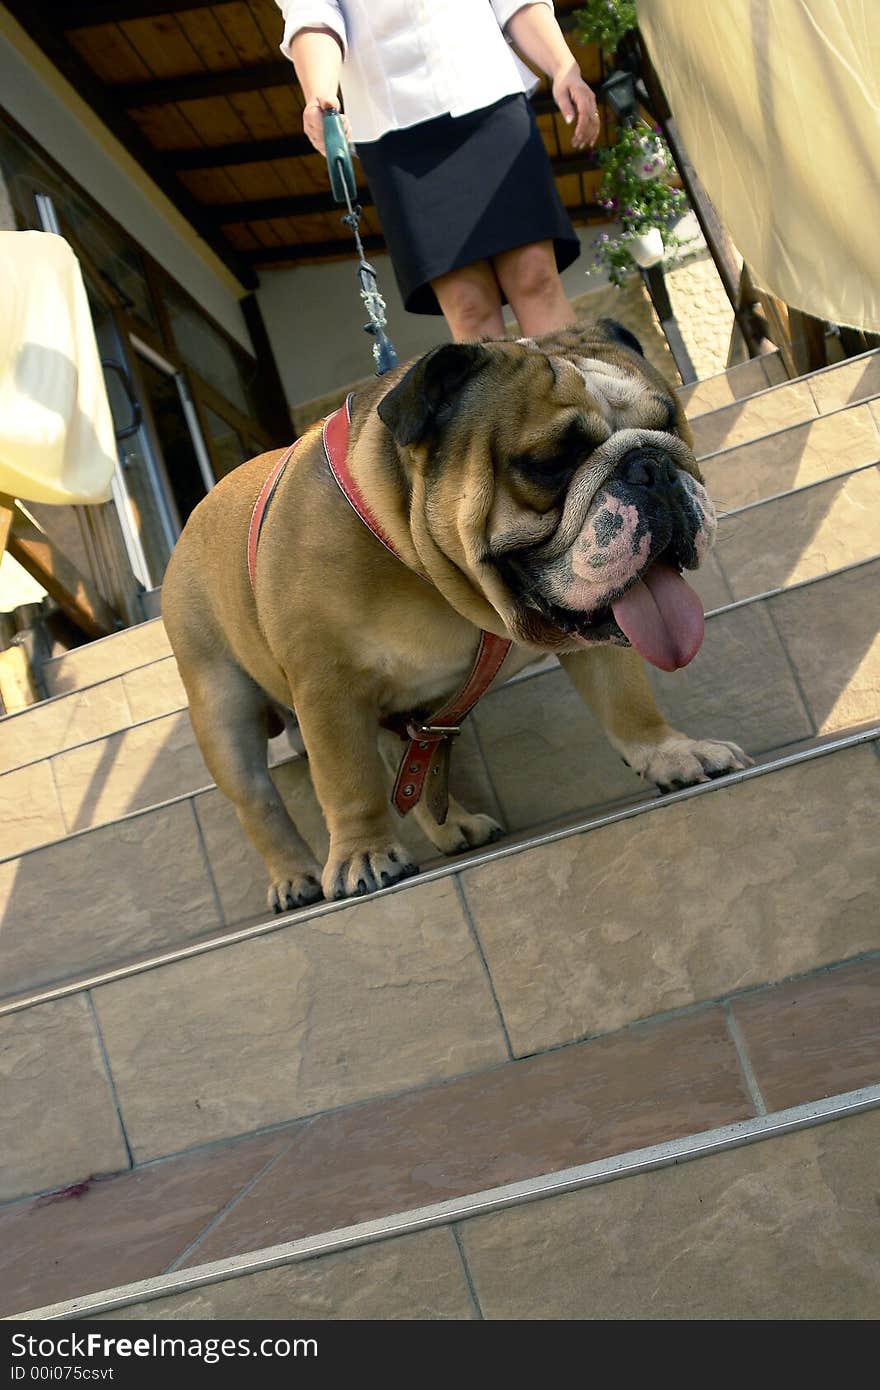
426	756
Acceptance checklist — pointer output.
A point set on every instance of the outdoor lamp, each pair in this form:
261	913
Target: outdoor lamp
619	91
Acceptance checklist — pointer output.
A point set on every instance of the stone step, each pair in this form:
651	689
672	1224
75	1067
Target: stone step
516	952
790	403
109	656
743	379
531	755
434	1220
795	457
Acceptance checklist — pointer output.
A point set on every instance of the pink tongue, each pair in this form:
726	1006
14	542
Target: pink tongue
662	617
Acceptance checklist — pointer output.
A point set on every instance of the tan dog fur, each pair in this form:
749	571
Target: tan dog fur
345	634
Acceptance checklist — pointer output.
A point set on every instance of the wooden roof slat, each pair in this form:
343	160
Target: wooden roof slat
245	35
297	176
214	120
241	237
164	47
287	104
264	234
167	128
256	114
209	40
256	183
211	187
109	54
268	17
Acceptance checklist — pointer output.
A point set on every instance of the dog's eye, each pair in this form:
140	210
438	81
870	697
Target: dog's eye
556	459
550	470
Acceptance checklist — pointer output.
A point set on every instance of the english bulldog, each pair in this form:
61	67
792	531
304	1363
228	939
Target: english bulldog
544	492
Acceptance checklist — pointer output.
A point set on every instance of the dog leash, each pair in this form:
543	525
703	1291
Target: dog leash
424	767
343	186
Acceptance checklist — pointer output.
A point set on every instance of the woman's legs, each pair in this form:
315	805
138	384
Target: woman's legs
470	297
471	301
531	282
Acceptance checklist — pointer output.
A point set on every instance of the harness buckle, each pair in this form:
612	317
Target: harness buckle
433	733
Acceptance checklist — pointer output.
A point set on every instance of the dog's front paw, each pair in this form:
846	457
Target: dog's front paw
682	762
287	894
352	875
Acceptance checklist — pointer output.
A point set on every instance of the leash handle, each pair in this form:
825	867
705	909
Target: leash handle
339	166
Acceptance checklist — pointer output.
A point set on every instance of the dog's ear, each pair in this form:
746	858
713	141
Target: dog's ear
618	334
422	402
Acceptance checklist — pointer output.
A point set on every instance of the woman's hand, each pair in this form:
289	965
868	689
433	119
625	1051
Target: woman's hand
313	121
577	103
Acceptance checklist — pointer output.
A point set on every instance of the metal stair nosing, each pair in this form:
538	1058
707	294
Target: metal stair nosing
618	1167
232	936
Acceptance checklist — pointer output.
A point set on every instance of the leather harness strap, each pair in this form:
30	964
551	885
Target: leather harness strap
335	433
424	767
258	515
426	756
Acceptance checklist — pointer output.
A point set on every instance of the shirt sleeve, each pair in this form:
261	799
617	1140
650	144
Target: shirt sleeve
506	9
314	14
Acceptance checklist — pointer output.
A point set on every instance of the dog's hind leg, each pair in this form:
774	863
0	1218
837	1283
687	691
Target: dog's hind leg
231	717
462	830
614	683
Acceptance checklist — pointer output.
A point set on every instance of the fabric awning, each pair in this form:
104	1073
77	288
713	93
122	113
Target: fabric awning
778	105
56	433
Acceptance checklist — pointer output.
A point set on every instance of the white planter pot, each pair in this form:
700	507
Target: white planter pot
646	249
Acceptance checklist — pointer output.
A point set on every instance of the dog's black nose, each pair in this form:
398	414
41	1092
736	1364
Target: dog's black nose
647	468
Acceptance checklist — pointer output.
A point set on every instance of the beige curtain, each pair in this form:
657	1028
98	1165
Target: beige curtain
778	105
56	434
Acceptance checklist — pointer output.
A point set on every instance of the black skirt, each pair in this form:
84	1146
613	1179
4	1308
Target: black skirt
455	190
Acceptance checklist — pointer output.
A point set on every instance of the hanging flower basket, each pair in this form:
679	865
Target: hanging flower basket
636	191
646	248
650	160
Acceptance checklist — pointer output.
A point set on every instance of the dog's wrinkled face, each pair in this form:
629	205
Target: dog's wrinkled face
559	475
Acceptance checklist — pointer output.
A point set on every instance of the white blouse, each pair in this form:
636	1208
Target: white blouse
406	61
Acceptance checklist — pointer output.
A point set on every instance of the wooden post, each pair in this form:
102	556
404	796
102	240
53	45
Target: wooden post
807	335
655	283
38	554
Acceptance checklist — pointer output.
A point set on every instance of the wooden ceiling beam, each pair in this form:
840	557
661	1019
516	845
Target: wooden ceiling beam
254	77
82	13
311	250
162	91
242	152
